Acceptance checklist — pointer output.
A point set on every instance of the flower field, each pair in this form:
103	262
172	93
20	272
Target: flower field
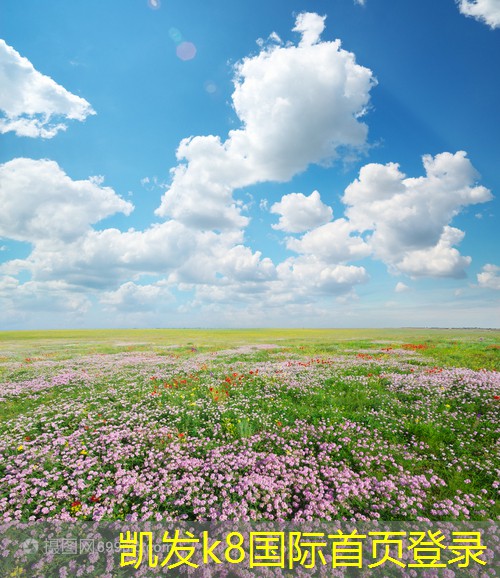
291	429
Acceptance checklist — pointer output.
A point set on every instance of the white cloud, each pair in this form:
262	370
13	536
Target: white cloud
441	260
200	195
489	278
39	202
298	105
487	11
310	26
401	287
287	125
33	104
332	242
102	260
240	264
409	217
300	213
133	297
308	274
34	296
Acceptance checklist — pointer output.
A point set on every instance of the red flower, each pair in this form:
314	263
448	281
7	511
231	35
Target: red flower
496	397
94	499
76	503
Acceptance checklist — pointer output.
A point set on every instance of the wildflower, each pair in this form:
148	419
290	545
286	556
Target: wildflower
20	448
76	506
496	397
84	452
94	499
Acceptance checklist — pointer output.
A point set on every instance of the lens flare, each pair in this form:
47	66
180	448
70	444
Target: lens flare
175	35
186	51
210	87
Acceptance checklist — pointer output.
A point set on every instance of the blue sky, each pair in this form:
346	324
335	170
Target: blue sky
232	164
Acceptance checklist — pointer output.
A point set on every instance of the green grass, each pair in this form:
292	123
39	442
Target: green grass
473	348
358	393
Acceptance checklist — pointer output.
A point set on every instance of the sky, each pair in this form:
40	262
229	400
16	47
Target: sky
294	163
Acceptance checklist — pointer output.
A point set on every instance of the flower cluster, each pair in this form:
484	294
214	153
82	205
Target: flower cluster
276	437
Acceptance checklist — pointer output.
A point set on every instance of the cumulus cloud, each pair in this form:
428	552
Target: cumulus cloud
297	105
487	11
489	278
299	213
333	243
133	297
310	26
200	195
31	103
56	296
241	264
40	201
308	274
409	217
102	260
441	260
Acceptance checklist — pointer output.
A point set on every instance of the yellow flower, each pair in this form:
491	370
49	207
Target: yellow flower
448	405
84	452
20	448
17	571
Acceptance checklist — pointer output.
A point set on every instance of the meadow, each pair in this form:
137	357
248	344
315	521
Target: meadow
279	425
